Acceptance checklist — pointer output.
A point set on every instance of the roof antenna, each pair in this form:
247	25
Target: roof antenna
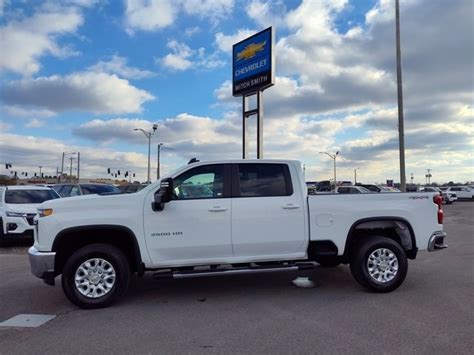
193	160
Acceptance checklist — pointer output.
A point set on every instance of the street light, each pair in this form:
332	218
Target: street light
148	135
355	175
333	157
160	147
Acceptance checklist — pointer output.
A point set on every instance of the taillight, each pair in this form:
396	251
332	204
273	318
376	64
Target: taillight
439	201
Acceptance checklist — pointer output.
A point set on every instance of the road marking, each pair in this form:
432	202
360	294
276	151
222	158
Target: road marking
27	320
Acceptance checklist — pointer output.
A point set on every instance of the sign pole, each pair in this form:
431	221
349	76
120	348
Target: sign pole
244	128
260	124
253	65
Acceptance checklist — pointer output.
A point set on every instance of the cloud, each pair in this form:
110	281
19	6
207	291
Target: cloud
225	42
24	41
18	111
267	13
86	92
154	15
25	153
184	58
118	65
178	59
35	123
149	15
215	10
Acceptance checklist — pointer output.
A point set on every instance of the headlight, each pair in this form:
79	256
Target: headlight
15	214
43	212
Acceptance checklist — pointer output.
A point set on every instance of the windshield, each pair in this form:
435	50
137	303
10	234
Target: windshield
98	189
29	196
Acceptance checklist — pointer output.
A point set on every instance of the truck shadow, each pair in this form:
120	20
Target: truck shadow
257	286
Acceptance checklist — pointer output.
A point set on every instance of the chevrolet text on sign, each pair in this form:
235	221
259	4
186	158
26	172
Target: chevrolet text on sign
253	63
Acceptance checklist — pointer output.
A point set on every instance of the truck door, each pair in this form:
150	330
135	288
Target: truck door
268	215
195	225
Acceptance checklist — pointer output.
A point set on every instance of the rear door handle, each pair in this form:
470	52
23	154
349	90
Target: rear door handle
290	206
217	209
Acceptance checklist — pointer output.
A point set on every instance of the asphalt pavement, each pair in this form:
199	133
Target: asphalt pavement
431	313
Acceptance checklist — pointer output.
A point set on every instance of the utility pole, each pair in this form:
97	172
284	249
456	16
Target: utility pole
40	167
57	174
70	169
401	129
62	168
148	135
333	157
78	165
158	161
355	175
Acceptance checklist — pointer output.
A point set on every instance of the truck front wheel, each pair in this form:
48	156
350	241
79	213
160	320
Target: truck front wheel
379	264
95	275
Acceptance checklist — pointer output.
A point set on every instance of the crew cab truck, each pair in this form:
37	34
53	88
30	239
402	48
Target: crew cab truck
224	218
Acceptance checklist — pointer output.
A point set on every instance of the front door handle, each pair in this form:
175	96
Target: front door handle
217	209
290	206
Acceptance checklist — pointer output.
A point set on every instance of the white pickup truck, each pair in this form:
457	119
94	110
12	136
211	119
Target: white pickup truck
229	217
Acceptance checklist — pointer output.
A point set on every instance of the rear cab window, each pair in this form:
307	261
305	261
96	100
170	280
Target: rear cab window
262	180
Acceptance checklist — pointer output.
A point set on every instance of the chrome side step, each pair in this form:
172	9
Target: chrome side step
234	271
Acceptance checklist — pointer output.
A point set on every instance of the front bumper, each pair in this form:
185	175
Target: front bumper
437	241
42	264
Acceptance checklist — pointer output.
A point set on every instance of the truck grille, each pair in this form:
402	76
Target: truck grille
30	218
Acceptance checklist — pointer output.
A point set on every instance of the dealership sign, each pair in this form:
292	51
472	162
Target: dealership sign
253	63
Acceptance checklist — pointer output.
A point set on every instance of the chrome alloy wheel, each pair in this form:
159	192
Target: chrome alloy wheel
95	278
382	265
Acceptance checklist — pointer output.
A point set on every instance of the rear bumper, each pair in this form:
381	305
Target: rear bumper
42	263
437	241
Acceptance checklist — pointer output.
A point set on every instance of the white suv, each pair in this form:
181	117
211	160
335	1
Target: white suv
17	209
461	191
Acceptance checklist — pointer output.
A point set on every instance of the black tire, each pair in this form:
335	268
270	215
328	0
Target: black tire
360	256
109	253
3	241
329	261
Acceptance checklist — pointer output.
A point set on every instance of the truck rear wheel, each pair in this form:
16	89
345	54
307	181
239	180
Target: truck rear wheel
379	264
95	276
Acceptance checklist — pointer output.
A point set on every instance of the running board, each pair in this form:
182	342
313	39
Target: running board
234	271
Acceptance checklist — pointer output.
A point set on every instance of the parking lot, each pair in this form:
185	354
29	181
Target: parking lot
432	312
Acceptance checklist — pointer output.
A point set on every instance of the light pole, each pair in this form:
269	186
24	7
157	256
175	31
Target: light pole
401	130
160	148
355	175
333	157
148	135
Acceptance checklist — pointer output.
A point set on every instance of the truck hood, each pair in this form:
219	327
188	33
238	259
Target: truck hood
89	200
22	207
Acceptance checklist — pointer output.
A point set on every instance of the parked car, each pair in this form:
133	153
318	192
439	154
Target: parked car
68	190
448	197
378	188
461	191
352	190
252	216
18	206
130	188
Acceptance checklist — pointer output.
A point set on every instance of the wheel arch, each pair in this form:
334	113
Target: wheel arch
71	239
396	228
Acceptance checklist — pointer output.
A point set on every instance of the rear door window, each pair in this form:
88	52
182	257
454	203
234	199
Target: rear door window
263	180
65	191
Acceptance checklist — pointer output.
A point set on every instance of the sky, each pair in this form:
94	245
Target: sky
81	75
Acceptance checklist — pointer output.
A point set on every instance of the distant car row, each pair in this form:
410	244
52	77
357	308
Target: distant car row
449	194
18	204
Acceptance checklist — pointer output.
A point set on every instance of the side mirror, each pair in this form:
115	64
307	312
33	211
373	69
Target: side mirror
163	195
